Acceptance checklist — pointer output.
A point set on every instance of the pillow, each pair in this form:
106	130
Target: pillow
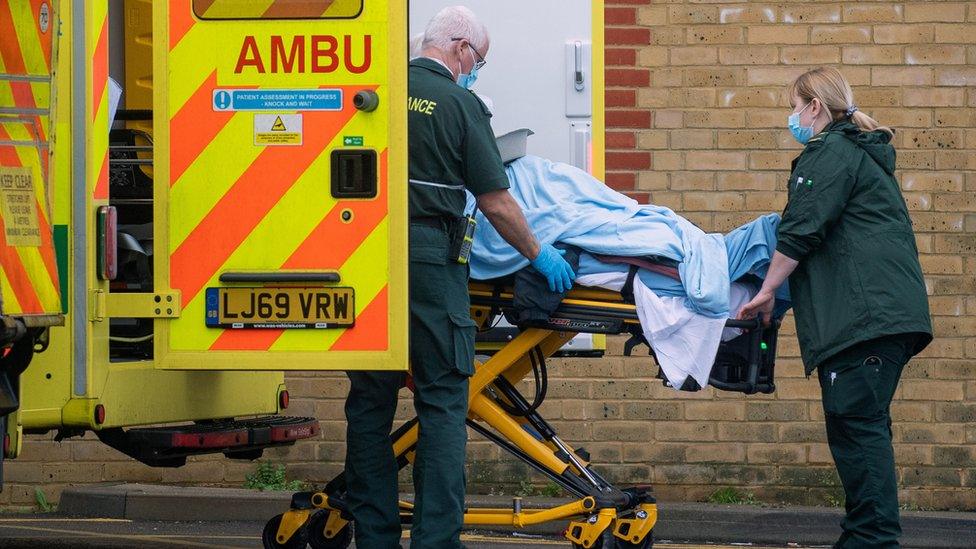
512	145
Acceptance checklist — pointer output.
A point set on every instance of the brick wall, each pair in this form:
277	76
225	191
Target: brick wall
696	121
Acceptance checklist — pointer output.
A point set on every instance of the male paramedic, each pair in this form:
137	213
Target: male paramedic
452	149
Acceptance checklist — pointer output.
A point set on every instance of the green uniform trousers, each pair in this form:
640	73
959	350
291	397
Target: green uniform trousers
442	360
857	386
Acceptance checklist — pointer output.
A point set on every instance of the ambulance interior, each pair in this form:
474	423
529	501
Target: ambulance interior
131	168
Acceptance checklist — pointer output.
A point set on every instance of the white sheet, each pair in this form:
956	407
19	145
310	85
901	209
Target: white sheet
684	342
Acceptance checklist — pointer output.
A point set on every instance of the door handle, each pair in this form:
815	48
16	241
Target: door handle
579	66
278	276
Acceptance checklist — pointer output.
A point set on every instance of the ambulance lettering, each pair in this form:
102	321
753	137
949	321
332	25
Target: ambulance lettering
316	54
425	106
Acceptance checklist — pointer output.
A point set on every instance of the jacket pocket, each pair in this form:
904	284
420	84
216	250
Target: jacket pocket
463	329
851	388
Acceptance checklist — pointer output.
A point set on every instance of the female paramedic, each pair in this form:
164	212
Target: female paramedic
847	246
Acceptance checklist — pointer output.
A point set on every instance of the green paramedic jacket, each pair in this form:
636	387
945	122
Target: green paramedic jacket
846	223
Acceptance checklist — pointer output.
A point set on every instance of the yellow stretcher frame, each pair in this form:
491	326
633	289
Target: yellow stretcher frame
629	515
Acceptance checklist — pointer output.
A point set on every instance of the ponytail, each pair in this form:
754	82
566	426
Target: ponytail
868	124
829	86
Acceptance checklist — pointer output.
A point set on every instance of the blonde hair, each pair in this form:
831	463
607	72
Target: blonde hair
829	86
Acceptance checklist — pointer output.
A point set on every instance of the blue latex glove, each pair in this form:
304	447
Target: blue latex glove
550	264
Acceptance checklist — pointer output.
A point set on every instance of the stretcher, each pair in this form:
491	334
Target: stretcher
601	515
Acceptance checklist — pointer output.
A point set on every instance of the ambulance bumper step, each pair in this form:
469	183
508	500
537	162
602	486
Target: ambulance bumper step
169	445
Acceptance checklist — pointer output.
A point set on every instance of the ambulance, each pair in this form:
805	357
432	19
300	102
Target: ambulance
195	198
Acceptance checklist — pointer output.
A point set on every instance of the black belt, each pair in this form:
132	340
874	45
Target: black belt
430	221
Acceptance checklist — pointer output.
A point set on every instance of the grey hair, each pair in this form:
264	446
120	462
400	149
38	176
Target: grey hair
416	45
455	22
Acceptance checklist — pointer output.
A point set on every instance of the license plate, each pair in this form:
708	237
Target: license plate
280	308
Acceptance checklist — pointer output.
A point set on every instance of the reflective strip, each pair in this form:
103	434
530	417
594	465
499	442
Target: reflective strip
8	143
79	197
319	247
276	9
24	78
32	271
97	41
438	185
24	111
250	198
25	51
233	205
30	276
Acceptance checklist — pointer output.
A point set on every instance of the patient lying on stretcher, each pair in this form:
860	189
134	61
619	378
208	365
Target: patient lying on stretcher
682	317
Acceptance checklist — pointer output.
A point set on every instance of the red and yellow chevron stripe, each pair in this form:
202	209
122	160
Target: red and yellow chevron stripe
276	9
28	273
97	44
238	206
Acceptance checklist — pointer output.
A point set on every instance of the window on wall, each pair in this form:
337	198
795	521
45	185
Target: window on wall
277	9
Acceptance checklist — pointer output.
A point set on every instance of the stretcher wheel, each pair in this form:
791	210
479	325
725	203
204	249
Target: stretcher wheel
609	541
297	541
646	543
315	528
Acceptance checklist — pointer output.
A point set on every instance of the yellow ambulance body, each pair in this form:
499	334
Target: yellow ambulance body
229	216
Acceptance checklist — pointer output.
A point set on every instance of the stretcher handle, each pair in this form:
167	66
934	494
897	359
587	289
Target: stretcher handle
744	324
280	277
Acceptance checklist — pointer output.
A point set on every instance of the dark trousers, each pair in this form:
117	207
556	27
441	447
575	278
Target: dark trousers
857	387
442	359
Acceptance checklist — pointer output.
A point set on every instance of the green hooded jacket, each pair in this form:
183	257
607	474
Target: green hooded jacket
846	223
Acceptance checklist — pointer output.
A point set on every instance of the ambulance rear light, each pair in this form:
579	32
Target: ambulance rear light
108	266
283	400
99	414
6	445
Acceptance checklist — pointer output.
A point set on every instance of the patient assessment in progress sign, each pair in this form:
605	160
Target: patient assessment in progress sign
277	100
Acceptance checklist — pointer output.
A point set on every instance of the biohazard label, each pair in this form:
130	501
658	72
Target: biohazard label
18	207
277	129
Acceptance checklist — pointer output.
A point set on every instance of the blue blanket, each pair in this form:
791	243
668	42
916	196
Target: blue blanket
565	204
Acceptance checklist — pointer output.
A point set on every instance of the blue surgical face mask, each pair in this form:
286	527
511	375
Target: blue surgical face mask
800	133
467	80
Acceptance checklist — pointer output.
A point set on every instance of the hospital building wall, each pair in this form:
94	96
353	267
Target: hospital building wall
697	122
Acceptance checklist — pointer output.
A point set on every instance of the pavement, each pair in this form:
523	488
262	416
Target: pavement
59	533
136	515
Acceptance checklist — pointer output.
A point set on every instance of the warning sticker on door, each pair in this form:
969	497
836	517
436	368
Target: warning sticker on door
18	206
277	129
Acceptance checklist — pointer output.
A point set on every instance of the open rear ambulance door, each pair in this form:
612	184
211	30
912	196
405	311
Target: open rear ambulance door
30	291
281	135
29	284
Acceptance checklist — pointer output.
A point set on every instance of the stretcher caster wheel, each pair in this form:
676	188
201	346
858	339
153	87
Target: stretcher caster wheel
315	529
269	537
646	543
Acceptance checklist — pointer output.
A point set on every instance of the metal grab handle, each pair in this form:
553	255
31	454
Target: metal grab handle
276	276
579	66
